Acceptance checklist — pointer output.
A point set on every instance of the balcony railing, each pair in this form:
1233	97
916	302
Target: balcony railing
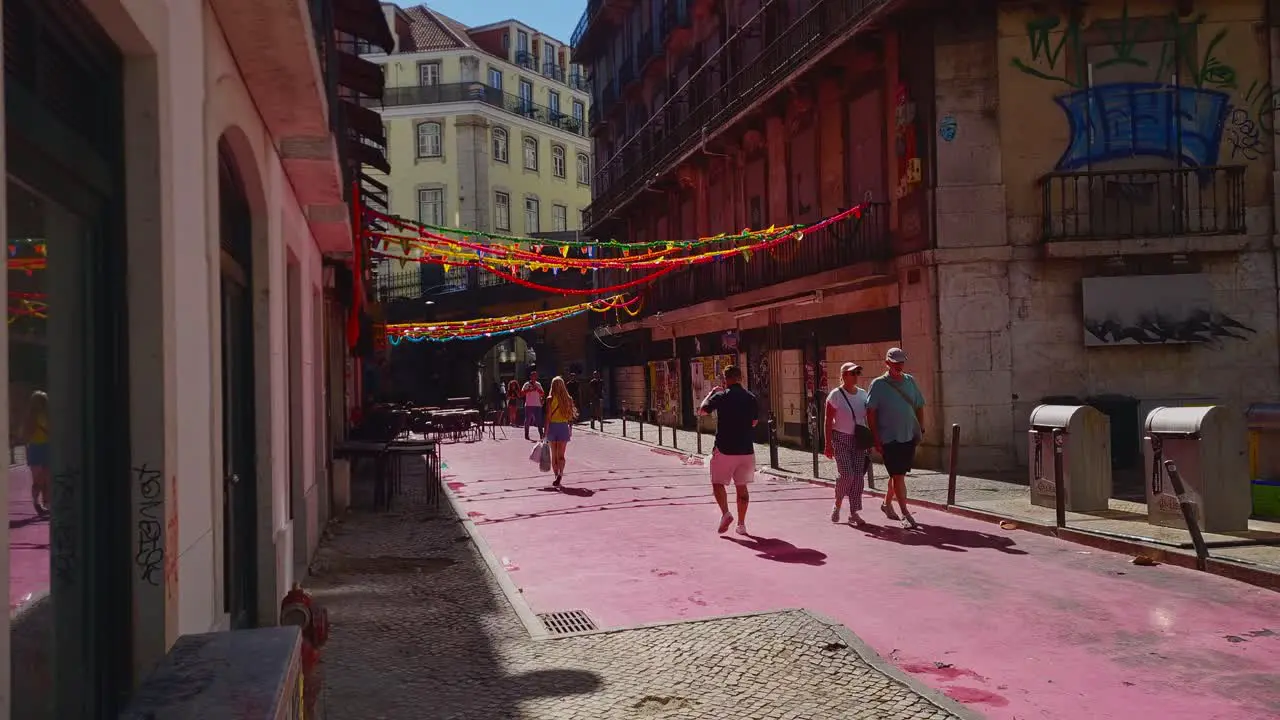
553	71
579	81
405	291
584	22
479	92
843	243
527	60
733	80
1122	204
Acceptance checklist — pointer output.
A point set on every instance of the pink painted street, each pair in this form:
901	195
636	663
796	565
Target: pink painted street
1011	624
28	542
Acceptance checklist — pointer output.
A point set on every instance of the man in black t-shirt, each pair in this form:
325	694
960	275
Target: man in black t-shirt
734	458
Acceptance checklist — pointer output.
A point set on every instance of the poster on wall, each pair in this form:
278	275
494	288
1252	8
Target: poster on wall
706	373
664	389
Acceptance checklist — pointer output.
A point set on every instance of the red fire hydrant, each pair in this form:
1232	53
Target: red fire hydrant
300	609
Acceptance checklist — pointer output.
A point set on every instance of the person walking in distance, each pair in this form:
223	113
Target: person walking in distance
571	383
533	394
848	440
734	458
597	398
895	414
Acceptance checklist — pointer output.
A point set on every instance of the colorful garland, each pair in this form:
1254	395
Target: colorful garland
611	244
501	326
448	252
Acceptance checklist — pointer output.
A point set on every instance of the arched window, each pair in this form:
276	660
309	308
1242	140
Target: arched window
530	154
429	141
557	160
500	144
584	169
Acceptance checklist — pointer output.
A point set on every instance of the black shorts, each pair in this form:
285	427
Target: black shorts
898	457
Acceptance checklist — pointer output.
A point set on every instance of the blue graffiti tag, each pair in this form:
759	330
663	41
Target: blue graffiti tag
1123	120
947	128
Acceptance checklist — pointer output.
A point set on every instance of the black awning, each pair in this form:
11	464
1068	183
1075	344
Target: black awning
365	154
360	75
363	19
365	122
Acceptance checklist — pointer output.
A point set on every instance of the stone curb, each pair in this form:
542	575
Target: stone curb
538	633
514	596
891	671
1215	566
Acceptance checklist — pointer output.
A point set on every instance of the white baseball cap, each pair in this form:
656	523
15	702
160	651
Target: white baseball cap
854	368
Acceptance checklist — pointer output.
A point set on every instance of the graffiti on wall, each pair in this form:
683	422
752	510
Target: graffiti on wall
1155	310
1141	87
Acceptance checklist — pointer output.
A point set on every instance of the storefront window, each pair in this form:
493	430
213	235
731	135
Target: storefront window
68	478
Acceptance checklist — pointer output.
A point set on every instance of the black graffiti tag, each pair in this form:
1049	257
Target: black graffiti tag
150	554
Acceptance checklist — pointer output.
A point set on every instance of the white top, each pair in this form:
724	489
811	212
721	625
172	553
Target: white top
845	418
533	396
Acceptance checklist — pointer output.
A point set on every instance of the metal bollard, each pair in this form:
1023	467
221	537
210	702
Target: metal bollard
951	474
773	442
659	433
1059	488
640	419
699	431
814	439
675	433
1188	514
624	420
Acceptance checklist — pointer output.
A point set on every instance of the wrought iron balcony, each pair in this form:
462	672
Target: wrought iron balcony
418	292
733	81
479	92
584	22
851	240
527	60
579	81
1124	204
553	71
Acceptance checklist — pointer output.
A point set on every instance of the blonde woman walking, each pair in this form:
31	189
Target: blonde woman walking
561	412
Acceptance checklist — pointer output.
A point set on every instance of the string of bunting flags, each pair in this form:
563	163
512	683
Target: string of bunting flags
501	326
505	256
470	249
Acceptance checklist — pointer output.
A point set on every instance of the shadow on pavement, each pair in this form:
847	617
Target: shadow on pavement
429	635
943	538
779	550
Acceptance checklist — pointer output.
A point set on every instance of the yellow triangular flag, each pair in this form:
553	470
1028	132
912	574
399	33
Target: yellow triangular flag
446	267
564	251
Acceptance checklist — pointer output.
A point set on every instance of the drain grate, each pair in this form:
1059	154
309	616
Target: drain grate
565	623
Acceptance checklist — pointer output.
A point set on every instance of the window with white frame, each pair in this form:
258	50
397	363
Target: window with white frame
553	104
559	218
557	160
431	206
495	78
502	211
530	154
428	73
579	111
429	140
500	144
584	169
531	215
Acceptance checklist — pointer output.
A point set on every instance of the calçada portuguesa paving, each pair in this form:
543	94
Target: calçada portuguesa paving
1009	624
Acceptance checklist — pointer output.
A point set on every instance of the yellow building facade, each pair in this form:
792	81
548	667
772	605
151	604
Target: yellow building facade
486	128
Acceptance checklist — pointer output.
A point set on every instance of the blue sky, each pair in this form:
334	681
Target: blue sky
557	18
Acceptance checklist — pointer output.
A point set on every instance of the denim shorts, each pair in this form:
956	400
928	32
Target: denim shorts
559	432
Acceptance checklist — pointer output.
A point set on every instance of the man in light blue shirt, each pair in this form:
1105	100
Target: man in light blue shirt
895	414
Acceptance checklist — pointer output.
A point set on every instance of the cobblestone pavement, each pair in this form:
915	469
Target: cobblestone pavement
421	629
921	484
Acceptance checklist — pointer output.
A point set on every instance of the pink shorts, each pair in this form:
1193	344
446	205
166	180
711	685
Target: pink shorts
737	469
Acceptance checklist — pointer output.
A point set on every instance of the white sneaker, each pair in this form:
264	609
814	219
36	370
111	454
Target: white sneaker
725	522
855	520
835	515
742	529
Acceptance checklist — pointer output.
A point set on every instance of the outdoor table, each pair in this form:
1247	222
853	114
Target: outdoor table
408	444
377	450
